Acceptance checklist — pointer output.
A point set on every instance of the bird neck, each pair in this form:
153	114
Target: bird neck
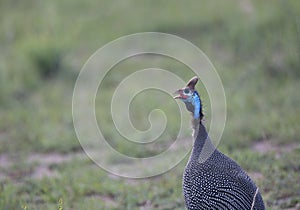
203	147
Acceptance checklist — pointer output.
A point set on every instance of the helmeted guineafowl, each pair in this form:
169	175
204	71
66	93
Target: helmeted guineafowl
217	182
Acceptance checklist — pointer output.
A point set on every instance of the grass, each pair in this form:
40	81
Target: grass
253	44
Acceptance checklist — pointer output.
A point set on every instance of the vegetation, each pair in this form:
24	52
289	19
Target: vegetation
254	46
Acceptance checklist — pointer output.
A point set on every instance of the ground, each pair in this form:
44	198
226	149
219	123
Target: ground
252	44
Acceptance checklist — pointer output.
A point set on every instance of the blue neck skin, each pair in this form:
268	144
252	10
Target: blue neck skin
193	104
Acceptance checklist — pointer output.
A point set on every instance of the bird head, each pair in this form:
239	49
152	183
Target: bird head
186	93
191	98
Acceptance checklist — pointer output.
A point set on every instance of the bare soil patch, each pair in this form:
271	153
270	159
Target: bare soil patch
45	161
268	147
39	165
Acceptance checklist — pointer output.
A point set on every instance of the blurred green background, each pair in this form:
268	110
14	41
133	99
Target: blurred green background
254	45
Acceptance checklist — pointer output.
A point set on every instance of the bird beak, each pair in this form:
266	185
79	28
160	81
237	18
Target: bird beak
178	94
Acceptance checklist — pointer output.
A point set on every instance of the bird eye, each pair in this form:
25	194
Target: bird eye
186	90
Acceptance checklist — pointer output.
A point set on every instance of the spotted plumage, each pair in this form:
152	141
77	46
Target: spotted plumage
218	182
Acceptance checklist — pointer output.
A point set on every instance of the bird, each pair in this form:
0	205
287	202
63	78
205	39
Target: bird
217	181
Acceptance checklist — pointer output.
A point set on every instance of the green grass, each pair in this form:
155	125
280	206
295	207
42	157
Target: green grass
254	46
